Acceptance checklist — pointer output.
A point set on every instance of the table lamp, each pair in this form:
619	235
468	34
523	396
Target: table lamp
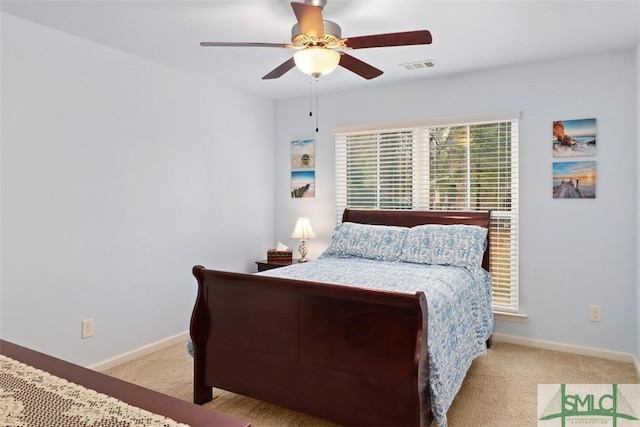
304	232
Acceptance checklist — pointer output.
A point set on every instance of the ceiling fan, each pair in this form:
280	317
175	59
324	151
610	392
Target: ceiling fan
320	47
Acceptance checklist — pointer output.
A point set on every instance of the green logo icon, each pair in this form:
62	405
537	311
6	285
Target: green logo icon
587	406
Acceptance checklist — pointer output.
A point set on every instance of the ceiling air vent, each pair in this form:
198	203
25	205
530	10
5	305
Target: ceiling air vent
420	65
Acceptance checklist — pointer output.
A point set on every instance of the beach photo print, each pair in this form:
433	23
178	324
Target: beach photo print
303	173
303	154
303	184
574	138
574	180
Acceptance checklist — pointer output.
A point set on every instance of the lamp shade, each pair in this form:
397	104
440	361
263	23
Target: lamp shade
303	230
316	61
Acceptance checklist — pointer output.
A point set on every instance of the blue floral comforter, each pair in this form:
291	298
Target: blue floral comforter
460	317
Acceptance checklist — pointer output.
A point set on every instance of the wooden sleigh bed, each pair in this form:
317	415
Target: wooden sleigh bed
350	355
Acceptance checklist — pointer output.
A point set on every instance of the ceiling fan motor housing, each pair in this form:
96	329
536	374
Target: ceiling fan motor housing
320	3
332	37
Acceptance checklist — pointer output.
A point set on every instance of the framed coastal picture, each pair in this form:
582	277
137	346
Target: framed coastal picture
303	154
303	184
574	138
574	180
303	163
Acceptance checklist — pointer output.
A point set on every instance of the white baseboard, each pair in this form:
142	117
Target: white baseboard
142	351
569	348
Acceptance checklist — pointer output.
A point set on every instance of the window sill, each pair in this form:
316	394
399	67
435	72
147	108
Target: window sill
510	317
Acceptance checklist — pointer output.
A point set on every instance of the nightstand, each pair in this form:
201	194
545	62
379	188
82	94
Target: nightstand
266	265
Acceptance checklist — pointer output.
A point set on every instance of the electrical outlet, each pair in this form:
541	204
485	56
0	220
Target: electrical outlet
87	328
594	313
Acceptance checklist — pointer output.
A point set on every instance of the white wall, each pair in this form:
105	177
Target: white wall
118	175
1	103
637	320
573	253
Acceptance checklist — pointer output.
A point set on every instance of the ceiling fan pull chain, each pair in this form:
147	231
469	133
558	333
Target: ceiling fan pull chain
310	107
317	113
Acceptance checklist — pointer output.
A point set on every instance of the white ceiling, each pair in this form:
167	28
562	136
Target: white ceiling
467	35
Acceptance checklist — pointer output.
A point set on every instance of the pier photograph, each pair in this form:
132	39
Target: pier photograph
303	184
574	180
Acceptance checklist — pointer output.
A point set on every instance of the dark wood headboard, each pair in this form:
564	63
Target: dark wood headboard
411	218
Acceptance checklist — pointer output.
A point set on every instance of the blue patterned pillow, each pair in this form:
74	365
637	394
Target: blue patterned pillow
377	242
457	245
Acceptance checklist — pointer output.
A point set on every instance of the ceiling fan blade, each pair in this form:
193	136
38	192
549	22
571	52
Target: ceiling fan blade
242	44
360	68
407	38
280	70
309	18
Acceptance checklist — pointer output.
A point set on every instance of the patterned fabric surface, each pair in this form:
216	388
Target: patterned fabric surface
457	245
460	317
31	397
382	243
190	349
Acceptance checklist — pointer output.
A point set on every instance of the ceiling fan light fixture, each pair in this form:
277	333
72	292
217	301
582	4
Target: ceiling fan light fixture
316	61
320	47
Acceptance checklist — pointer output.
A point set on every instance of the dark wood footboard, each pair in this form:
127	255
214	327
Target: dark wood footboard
352	356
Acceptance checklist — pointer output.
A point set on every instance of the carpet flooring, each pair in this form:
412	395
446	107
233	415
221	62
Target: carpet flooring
500	389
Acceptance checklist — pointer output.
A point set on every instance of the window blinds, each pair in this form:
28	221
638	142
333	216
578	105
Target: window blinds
444	167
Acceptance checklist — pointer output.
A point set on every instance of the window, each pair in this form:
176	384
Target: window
440	166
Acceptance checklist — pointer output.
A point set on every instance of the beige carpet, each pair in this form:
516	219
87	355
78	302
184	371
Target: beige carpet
500	389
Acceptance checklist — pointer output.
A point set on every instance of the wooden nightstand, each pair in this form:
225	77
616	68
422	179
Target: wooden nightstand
266	265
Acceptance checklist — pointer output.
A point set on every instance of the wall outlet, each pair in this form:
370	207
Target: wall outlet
594	313
87	328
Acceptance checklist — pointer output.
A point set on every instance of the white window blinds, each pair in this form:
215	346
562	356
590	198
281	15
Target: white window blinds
440	167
